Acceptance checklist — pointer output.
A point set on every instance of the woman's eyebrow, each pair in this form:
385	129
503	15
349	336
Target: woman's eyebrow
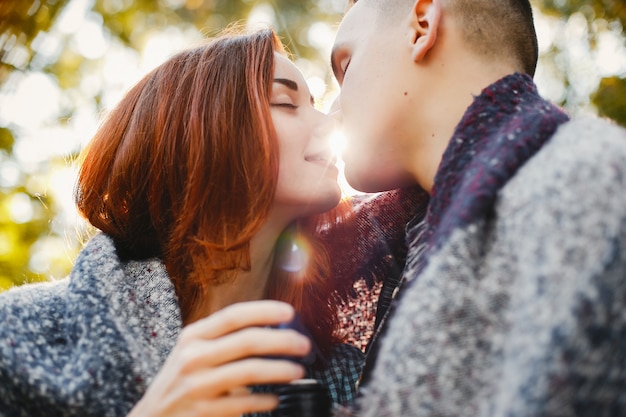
292	85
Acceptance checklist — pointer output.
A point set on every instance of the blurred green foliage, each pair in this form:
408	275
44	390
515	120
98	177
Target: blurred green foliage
609	97
20	23
593	9
129	23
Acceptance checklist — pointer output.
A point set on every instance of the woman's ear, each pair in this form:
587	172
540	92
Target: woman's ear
424	22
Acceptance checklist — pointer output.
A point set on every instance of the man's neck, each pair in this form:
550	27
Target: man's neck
436	123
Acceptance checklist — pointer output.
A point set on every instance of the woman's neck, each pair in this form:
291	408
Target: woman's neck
245	285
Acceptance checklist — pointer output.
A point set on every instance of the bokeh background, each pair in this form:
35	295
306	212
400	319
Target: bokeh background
64	63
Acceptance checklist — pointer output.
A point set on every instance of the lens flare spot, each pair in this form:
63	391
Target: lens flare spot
337	142
295	255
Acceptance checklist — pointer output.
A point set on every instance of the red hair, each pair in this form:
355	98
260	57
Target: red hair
185	169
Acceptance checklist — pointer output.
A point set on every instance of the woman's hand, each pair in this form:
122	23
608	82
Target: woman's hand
217	358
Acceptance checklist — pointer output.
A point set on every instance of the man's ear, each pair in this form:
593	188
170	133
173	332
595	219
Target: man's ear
424	22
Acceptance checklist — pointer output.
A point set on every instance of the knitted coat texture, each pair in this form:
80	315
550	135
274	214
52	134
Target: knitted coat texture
90	345
513	295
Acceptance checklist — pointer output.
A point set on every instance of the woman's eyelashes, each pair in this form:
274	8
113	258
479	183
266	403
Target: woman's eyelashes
286	105
292	102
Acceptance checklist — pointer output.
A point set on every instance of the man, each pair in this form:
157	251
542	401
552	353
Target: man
513	296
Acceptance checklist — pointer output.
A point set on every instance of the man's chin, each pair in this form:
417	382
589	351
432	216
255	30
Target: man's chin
365	181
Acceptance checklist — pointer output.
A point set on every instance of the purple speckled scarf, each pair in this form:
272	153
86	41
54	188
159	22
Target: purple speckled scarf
503	128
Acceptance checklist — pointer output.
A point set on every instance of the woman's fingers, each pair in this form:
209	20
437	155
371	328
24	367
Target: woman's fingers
238	316
239	391
223	380
236	405
251	342
231	405
217	358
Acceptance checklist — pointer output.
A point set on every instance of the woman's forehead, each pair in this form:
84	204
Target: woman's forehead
284	68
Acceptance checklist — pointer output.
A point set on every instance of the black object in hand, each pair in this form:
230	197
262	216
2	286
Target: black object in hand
303	398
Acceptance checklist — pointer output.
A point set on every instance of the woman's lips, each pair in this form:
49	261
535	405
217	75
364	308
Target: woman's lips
322	159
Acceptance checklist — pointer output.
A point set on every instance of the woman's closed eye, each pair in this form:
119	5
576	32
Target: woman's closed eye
287	105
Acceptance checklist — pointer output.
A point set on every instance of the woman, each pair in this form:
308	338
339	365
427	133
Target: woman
203	182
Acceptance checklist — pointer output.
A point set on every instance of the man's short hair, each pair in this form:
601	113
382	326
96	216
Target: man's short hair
498	28
491	28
